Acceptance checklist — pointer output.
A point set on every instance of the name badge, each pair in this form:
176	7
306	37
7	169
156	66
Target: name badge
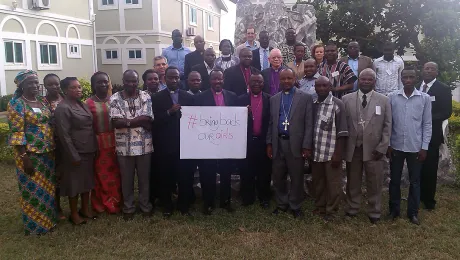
335	74
323	118
389	72
37	110
433	98
378	110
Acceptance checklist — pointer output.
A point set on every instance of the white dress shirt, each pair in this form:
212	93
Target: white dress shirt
388	75
429	84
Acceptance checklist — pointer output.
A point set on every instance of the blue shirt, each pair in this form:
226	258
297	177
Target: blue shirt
176	57
354	67
411	129
162	86
174	96
308	85
285	110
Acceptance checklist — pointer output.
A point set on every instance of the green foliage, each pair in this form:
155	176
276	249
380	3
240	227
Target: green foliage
456	158
4	100
6	152
454	138
86	88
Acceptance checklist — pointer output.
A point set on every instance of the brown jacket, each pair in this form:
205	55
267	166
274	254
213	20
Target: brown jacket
75	130
364	62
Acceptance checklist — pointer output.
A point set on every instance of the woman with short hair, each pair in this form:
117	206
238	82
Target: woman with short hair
226	59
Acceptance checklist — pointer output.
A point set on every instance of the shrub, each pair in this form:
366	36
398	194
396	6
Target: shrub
6	151
86	88
4	100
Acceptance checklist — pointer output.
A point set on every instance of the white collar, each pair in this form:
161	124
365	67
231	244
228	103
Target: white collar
429	84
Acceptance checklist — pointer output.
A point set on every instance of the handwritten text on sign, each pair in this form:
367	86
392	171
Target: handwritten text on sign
213	132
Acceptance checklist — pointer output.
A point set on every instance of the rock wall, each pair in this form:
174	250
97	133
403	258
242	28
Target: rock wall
275	18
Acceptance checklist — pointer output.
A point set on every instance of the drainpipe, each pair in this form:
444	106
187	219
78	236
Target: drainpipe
92	16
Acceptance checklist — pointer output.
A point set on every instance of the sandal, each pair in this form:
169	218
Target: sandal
76	224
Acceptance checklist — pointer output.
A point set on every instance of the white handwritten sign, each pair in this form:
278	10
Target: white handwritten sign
213	132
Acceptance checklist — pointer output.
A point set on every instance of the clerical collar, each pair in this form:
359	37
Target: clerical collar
256	95
290	91
215	92
226	56
173	91
276	70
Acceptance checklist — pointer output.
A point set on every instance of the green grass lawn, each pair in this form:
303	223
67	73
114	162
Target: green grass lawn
250	233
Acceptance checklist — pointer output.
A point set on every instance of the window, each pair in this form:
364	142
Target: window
210	21
48	54
132	2
73	51
14	52
135	54
192	16
109	2
111	54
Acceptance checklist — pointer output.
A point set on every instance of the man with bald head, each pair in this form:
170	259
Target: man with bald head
356	62
369	131
289	142
329	134
236	78
441	109
307	83
272	74
196	57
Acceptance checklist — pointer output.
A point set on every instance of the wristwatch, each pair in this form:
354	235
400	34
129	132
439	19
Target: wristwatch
128	123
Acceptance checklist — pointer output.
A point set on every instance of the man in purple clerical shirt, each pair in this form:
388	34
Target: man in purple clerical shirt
272	75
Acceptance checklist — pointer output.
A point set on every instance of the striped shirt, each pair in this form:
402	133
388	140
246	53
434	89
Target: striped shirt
388	75
339	74
411	128
330	124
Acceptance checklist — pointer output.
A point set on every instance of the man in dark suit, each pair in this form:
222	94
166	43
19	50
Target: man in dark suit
205	67
216	96
289	142
195	57
441	109
272	75
260	55
237	77
166	109
356	62
256	170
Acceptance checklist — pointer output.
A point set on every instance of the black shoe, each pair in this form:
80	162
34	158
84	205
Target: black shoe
350	215
186	214
297	213
147	214
128	216
374	220
167	214
414	220
247	203
278	210
207	211
264	204
392	216
227	207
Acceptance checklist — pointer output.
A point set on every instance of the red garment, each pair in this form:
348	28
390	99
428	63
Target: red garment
106	195
256	111
218	98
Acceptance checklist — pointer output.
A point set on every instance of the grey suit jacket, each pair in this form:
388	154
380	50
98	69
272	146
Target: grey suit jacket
364	62
377	131
300	119
75	130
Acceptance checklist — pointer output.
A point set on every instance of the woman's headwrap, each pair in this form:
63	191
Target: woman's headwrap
20	78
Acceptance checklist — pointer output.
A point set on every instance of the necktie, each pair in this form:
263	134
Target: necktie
425	87
265	63
364	101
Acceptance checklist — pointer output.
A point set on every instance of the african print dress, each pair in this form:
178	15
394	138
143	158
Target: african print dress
30	127
107	192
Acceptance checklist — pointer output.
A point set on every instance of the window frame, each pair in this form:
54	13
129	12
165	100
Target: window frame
190	16
49	66
105	60
14	64
103	7
131	5
135	61
210	18
73	55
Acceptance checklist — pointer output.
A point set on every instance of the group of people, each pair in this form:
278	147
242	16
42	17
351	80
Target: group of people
322	115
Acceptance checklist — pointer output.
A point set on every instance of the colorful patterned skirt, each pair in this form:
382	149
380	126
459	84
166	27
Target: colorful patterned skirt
106	195
37	193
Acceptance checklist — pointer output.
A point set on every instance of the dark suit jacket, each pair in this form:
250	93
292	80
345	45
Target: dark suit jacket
75	130
191	60
201	68
256	58
166	128
234	80
206	98
364	62
245	100
441	109
268	77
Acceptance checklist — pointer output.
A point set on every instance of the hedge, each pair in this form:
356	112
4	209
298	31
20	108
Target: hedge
6	151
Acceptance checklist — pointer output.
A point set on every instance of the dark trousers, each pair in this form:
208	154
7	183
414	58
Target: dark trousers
208	170
429	177
185	184
168	170
255	172
396	167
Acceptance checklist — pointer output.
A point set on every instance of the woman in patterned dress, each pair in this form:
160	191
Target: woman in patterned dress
54	96
32	137
106	195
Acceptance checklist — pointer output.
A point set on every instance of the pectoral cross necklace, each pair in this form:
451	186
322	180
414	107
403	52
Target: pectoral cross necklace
286	115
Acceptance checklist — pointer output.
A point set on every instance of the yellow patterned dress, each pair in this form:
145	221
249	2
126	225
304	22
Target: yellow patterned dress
30	127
